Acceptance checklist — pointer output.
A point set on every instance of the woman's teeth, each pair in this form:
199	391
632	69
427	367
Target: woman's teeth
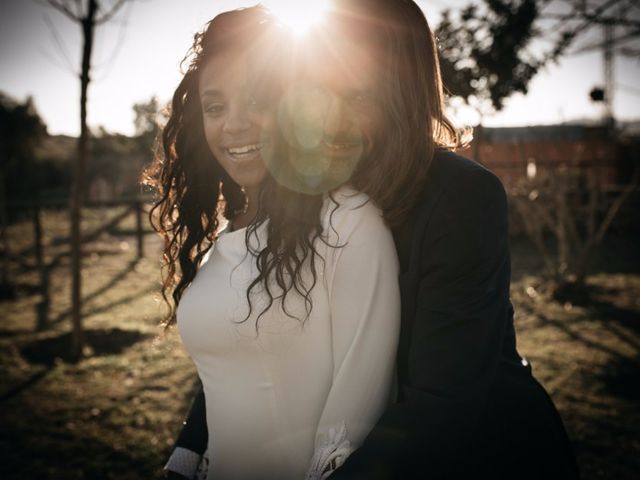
245	149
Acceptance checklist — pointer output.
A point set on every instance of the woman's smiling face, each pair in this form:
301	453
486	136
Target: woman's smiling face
236	124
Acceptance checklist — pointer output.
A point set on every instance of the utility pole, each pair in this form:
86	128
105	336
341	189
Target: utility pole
608	64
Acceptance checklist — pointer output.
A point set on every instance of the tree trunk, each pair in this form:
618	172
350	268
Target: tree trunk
139	229
77	193
5	285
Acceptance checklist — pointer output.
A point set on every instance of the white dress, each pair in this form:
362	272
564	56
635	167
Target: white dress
280	399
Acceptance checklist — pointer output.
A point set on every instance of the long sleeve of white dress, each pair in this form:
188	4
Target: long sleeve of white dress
365	323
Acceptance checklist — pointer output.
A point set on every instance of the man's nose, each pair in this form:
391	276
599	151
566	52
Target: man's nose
336	120
237	120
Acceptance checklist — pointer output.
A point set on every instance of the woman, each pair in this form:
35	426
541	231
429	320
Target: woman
290	311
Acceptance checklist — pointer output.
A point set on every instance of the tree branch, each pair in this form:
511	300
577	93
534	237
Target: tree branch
63	8
534	230
625	37
78	4
109	14
61	47
569	34
617	204
591	18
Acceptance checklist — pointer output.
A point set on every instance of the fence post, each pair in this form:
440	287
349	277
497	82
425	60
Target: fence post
139	229
6	289
43	305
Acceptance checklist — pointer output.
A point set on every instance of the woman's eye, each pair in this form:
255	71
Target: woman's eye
214	108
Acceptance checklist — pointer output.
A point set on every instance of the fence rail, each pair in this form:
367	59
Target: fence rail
32	210
135	206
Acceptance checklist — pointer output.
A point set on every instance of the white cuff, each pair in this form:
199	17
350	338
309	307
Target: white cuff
183	461
330	453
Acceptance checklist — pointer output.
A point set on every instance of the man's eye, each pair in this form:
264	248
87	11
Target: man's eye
256	102
361	99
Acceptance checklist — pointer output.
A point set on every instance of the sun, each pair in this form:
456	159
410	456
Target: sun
299	15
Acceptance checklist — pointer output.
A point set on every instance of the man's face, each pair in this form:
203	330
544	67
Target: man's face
349	76
331	117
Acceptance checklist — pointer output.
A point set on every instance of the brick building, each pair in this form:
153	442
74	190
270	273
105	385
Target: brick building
512	153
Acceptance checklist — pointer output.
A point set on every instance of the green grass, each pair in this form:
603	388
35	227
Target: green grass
115	414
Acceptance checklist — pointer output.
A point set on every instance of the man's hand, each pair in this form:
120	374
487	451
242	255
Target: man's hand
175	476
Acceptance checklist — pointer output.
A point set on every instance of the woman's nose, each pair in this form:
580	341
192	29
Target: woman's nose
237	120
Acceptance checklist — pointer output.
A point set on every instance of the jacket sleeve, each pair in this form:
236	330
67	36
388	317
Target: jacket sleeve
192	439
456	336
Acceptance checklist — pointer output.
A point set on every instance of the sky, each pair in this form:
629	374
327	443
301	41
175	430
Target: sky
137	56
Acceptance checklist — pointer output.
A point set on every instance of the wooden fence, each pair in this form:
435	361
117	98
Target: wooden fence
32	210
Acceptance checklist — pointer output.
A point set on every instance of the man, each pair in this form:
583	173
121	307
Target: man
468	405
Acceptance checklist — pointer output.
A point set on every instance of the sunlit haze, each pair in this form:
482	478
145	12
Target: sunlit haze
298	15
138	54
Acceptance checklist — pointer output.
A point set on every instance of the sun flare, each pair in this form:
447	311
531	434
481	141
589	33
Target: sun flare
299	15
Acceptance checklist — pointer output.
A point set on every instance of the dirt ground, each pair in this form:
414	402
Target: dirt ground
115	414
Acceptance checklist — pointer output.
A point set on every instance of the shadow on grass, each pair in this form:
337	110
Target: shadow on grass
50	350
621	373
621	378
616	320
579	338
113	282
5	333
8	293
598	301
100	341
574	334
32	380
120	301
71	456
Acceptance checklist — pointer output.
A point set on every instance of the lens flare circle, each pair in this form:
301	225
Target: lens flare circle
306	158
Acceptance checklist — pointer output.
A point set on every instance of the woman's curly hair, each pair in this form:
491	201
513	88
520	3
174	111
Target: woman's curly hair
195	193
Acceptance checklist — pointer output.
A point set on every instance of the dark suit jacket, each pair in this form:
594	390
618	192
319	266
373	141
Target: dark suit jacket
468	404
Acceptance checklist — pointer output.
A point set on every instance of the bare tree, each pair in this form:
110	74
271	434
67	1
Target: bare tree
570	205
87	15
567	21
